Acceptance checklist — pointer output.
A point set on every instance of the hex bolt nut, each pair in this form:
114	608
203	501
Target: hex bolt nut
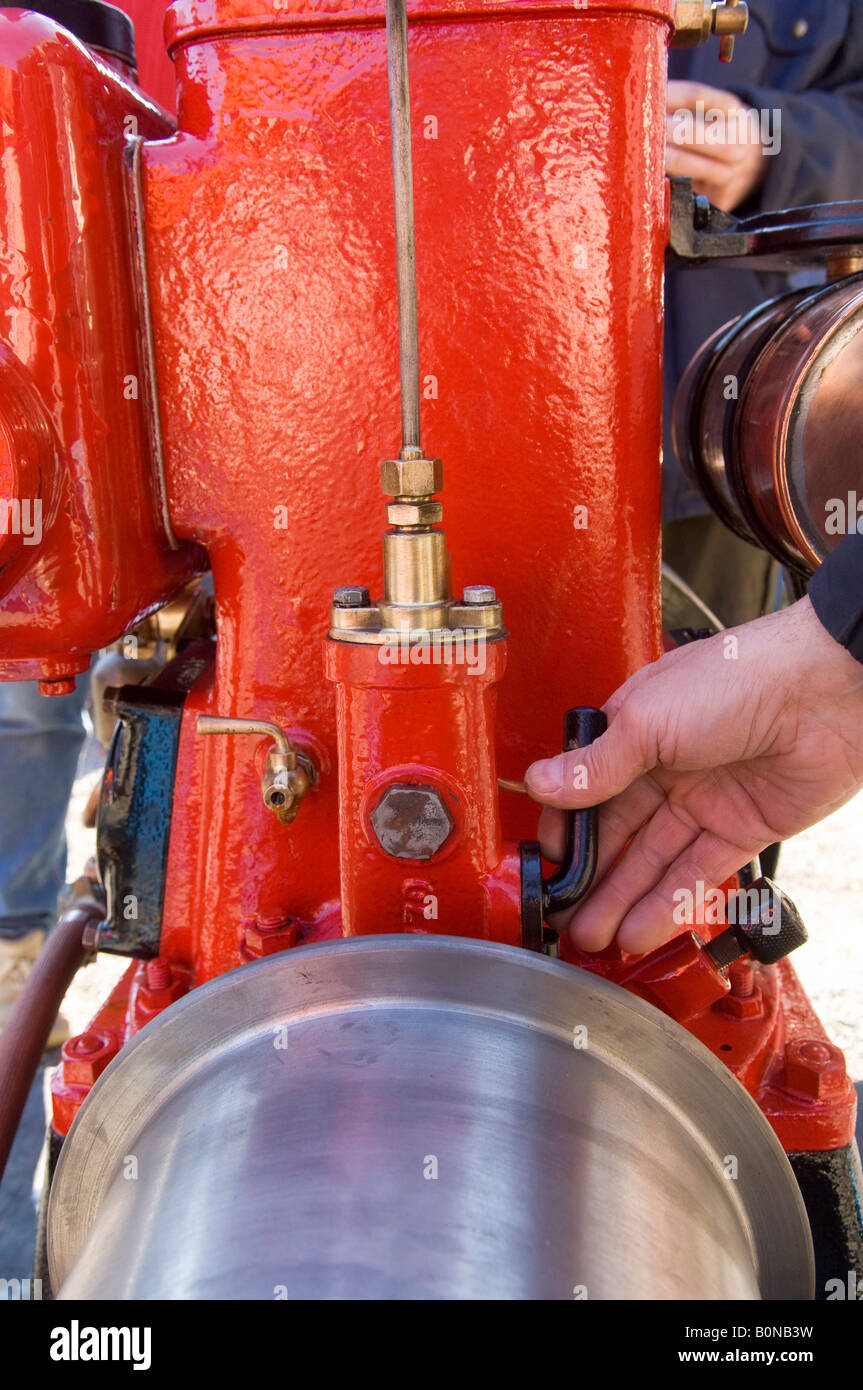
86	1056
814	1069
414	513
268	935
476	594
411	822
419	477
351	596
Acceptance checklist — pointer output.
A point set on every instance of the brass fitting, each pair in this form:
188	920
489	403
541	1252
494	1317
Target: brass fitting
411	478
410	514
417	595
284	784
696	20
288	773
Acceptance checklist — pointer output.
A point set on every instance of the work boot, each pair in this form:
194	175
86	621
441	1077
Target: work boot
17	956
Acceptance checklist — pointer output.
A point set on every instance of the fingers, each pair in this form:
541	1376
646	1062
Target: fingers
709	859
659	842
685	163
681	94
619	819
588	776
551	833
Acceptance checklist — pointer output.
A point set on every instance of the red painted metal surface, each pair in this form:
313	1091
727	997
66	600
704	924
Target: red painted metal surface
72	368
471	885
540	224
267	217
758	1020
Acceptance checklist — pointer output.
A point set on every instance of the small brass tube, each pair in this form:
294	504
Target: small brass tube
415	567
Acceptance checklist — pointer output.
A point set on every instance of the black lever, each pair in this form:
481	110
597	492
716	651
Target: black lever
573	879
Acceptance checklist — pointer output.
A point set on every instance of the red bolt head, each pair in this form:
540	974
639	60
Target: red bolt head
86	1056
814	1069
160	986
267	936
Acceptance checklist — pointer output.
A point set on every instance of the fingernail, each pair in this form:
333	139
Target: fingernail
545	777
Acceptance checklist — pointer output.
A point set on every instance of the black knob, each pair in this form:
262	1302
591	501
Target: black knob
770	928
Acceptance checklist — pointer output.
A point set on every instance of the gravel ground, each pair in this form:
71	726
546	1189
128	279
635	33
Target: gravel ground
822	870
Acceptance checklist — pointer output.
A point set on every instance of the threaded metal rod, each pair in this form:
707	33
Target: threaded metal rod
403	189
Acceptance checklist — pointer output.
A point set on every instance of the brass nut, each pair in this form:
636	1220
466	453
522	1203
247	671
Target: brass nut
414	513
411	477
693	23
696	20
351	596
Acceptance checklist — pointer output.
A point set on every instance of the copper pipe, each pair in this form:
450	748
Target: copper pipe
24	1038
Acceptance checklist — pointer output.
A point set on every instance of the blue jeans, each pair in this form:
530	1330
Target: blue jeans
40	739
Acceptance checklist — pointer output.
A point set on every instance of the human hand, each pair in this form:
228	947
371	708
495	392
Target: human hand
712	753
723	154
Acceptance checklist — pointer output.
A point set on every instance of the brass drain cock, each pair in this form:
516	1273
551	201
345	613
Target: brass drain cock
288	774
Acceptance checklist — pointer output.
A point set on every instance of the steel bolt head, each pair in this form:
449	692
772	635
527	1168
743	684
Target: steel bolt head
479	593
351	596
411	822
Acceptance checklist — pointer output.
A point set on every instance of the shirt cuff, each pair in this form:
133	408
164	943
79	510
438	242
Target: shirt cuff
836	593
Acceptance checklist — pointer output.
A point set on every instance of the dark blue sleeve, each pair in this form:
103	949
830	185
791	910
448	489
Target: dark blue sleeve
836	592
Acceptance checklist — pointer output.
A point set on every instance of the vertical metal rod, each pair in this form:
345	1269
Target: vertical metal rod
406	269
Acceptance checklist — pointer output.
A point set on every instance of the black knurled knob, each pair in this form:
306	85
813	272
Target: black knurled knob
769	930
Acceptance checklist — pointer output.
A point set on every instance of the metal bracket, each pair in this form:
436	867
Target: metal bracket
826	234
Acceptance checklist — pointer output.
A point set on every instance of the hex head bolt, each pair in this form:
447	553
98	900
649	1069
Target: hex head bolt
814	1069
351	596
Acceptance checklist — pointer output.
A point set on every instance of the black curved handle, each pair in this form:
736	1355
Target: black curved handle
573	879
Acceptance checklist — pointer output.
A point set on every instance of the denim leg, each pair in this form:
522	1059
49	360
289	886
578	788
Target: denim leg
40	739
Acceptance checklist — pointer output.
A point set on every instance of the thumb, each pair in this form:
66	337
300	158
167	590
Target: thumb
588	776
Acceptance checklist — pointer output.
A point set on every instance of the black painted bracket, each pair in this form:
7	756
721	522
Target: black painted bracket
134	817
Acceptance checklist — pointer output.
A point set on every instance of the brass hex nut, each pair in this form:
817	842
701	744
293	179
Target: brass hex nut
414	513
411	477
693	23
411	822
